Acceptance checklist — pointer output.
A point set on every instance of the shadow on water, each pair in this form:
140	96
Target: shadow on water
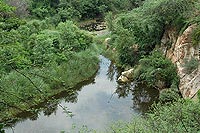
99	99
142	96
50	105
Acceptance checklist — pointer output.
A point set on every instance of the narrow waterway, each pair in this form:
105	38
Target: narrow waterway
96	105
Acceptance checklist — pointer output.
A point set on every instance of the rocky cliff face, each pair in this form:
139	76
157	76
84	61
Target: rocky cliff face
178	49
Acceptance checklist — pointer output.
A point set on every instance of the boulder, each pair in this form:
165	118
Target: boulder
126	76
128	73
123	79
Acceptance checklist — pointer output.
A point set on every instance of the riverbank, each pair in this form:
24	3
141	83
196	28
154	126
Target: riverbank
101	96
80	68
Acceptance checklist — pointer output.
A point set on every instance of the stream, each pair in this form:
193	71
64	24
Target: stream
95	104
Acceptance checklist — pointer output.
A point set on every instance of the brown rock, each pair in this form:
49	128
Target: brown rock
181	49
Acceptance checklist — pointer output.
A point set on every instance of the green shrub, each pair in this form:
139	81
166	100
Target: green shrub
109	21
72	38
136	125
169	95
11	23
124	46
40	12
5	9
68	14
198	94
70	10
39	59
190	65
33	27
196	36
8	19
36	43
180	116
155	69
13	56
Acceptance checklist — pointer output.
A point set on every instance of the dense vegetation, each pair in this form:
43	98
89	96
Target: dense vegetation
181	116
135	36
156	71
43	52
138	32
39	59
62	10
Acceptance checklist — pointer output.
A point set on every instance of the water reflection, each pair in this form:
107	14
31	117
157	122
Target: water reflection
100	99
50	108
112	71
142	96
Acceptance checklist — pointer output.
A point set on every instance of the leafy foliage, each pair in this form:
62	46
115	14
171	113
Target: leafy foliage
35	44
68	9
73	38
39	59
8	20
154	69
144	26
169	95
21	7
181	116
5	9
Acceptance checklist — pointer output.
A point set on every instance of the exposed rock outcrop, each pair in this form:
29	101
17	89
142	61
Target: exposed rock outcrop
181	49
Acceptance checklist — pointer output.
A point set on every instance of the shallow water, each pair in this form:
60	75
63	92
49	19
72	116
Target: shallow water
96	105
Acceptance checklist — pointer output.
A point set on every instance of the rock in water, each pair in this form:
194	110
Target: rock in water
126	76
123	79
